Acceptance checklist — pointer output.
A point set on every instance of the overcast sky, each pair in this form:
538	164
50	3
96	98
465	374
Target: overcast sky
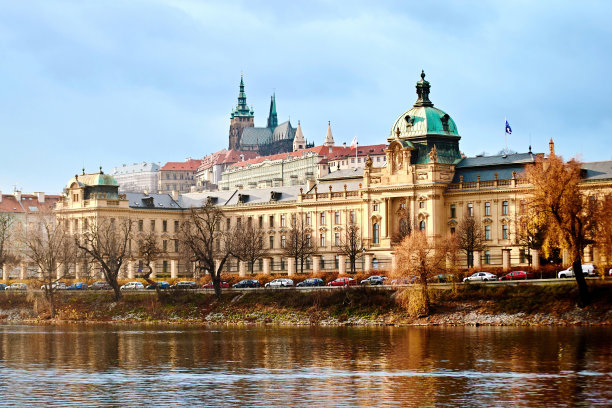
90	83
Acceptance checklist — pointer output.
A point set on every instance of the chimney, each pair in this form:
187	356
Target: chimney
41	197
175	195
17	194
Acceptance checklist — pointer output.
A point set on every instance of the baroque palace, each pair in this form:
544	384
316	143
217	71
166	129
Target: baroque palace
425	184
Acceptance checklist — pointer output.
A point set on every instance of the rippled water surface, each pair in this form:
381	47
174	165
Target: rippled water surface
280	367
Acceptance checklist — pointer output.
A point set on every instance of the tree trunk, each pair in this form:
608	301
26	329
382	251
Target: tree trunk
216	279
583	289
426	305
115	285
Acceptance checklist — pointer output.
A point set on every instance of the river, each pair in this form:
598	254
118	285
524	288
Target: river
145	365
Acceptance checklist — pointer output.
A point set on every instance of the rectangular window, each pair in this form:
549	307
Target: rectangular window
271	222
283	241
308	242
487	209
228	224
152	225
353	160
337	217
322	240
353	218
504	208
487	257
250	222
283	220
375	207
487	232
293	220
271	241
453	211
522	256
422	204
470	210
308	218
176	226
505	231
323	218
336	262
453	230
176	245
261	221
140	225
337	239
164	226
165	245
239	222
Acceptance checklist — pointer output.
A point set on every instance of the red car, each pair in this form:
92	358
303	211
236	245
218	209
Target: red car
343	282
209	285
517	275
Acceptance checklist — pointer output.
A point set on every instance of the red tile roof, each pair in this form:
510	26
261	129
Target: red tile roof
226	157
373	150
187	165
28	203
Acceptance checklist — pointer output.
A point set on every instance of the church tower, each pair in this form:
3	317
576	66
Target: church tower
299	142
272	116
242	116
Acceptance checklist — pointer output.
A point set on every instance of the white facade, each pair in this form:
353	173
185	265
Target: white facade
137	177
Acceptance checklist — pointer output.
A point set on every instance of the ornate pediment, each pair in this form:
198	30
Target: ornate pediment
452	223
422	216
487	221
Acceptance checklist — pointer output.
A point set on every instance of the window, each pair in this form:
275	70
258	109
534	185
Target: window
283	241
336	262
283	221
323	218
353	220
470	210
271	241
375	233
337	217
322	263
140	225
322	240
523	207
522	256
176	226
152	225
422	226
375	207
165	245
176	245
239	222
487	232
249	222
453	211
165	266
228	224
422	204
260	242
218	244
487	208
293	220
504	208
337	239
375	263
271	222
353	160
261	221
308	219
308	242
359	160
402	206
452	230
505	231
164	226
487	257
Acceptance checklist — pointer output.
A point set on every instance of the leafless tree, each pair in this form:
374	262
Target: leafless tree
470	237
248	244
149	251
106	241
351	244
7	254
204	241
299	245
49	245
404	227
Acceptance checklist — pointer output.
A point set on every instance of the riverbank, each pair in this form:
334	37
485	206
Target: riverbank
461	305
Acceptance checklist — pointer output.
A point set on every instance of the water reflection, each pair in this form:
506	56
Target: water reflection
271	366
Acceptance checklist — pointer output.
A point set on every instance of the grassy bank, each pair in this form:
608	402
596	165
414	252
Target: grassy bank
464	304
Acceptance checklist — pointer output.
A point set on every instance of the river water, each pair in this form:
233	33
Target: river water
144	365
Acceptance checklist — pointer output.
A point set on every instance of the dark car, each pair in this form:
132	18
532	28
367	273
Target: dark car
77	286
2	286
185	285
209	285
443	278
517	275
374	280
161	285
100	285
311	282
247	283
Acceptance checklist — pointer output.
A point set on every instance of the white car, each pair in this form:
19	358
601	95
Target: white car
480	276
279	283
132	286
17	286
55	285
587	270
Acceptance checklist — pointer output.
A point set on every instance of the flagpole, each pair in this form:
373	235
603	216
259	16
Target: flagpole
506	135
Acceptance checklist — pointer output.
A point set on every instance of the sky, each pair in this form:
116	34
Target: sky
90	83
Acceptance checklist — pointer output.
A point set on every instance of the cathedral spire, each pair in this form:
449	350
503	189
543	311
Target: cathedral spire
242	109
272	117
298	141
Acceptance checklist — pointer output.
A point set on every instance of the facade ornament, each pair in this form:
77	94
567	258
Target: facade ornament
368	162
433	155
397	133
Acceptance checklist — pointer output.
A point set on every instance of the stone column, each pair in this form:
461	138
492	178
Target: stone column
23	270
586	254
77	270
367	263
506	259
5	272
130	269
316	263
291	266
174	269
58	271
242	267
342	264
393	262
596	256
476	258
566	258
266	266
535	259
153	271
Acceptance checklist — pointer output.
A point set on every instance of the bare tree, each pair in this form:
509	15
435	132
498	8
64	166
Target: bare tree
470	237
404	227
51	248
7	253
149	251
204	242
248	244
423	257
351	244
107	241
531	229
299	244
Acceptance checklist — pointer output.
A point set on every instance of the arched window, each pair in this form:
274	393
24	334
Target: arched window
422	226
374	263
375	233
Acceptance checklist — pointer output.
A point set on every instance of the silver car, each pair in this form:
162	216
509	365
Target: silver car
279	283
132	286
481	276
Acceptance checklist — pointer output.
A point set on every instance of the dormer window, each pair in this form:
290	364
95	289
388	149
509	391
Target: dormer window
444	120
409	120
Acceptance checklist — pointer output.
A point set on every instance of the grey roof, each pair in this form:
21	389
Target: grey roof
601	170
343	174
503	173
188	200
263	195
143	167
152	201
509	159
283	131
337	185
255	136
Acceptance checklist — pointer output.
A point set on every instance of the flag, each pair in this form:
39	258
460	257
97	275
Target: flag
508	128
354	143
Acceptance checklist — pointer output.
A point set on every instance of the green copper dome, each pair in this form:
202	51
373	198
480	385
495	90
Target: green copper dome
93	179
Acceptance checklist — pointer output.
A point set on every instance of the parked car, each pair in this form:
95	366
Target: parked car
343	282
374	280
17	286
185	285
132	286
279	283
77	286
209	285
587	270
480	276
100	285
444	278
517	275
405	281
2	286
160	284
247	283
311	282
56	286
